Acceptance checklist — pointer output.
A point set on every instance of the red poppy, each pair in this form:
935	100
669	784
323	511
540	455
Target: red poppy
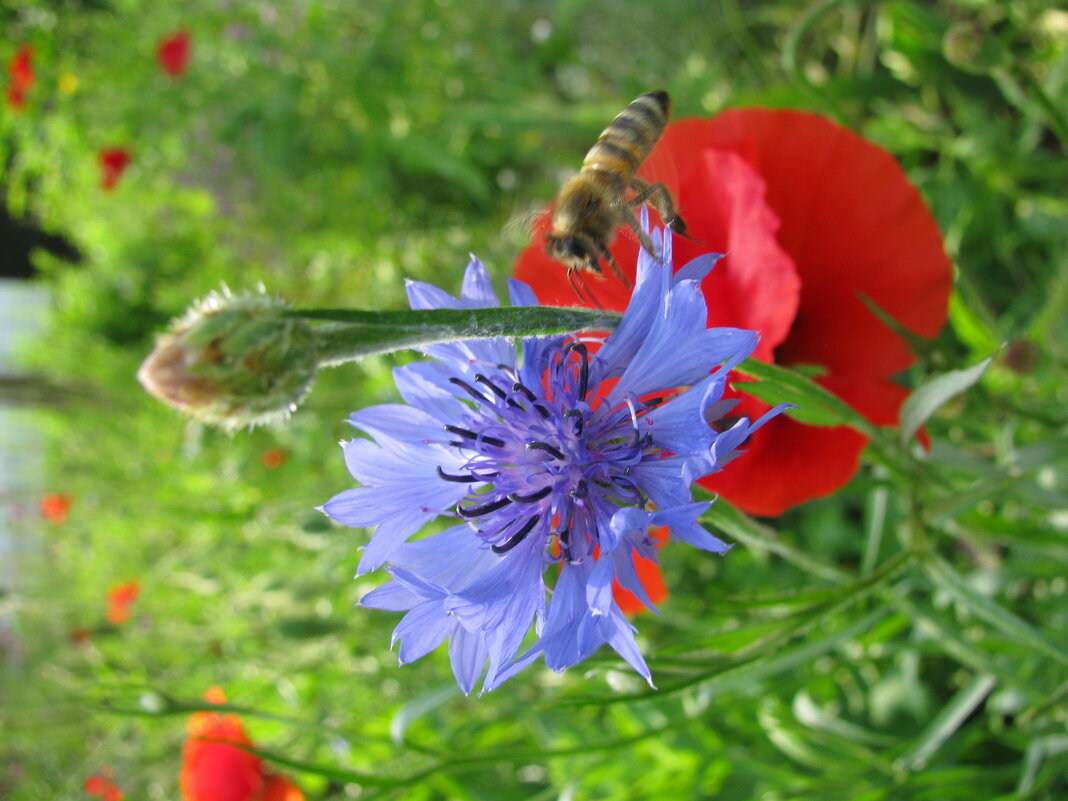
113	161
173	53
813	217
273	458
215	769
100	784
55	507
120	598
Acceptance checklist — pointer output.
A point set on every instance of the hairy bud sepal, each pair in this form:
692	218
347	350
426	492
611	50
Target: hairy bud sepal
233	361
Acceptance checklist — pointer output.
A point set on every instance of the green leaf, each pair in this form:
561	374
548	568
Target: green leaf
418	707
948	720
741	527
307	628
926	400
816	406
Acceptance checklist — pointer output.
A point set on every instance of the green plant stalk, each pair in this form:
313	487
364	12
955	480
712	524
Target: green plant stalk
356	334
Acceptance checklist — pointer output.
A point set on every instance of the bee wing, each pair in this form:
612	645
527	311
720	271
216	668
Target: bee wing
525	225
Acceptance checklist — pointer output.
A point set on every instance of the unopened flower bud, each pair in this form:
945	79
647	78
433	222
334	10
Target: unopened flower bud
233	361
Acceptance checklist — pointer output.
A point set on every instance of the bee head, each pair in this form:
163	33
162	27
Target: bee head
574	252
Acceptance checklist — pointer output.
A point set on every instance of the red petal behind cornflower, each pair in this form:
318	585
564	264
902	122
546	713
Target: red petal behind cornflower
651	577
113	162
173	53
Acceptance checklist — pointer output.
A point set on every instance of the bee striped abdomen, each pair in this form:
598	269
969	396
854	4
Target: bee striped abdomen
624	144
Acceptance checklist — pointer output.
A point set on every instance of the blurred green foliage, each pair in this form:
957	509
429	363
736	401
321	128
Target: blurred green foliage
907	638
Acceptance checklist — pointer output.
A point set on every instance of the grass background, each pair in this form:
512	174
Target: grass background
906	638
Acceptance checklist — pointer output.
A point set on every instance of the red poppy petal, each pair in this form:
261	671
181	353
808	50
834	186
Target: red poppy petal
853	224
280	788
216	771
787	463
653	581
95	785
650	576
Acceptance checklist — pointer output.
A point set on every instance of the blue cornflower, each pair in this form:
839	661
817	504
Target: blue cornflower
557	463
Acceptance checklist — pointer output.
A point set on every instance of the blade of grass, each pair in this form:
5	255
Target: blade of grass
948	721
735	523
1017	629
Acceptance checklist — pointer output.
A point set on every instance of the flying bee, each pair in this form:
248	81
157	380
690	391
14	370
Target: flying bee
594	203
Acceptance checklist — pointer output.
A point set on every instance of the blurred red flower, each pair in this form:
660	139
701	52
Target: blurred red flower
173	53
55	507
273	458
813	217
113	161
16	99
215	769
100	784
20	69
120	598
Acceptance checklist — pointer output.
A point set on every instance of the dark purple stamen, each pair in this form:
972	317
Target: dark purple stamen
576	419
481	379
530	396
584	367
518	387
581	490
485	509
470	390
534	497
457	479
536	445
516	538
468	434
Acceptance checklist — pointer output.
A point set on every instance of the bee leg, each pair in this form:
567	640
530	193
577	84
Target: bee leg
643	238
615	267
576	280
659	197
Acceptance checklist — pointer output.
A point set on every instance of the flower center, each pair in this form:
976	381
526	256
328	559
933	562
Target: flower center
545	467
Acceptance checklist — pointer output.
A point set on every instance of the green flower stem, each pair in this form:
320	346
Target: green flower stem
356	334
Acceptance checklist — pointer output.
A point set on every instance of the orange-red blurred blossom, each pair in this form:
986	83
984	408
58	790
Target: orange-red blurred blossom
218	771
113	163
120	598
55	507
173	53
273	458
812	217
100	784
20	70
